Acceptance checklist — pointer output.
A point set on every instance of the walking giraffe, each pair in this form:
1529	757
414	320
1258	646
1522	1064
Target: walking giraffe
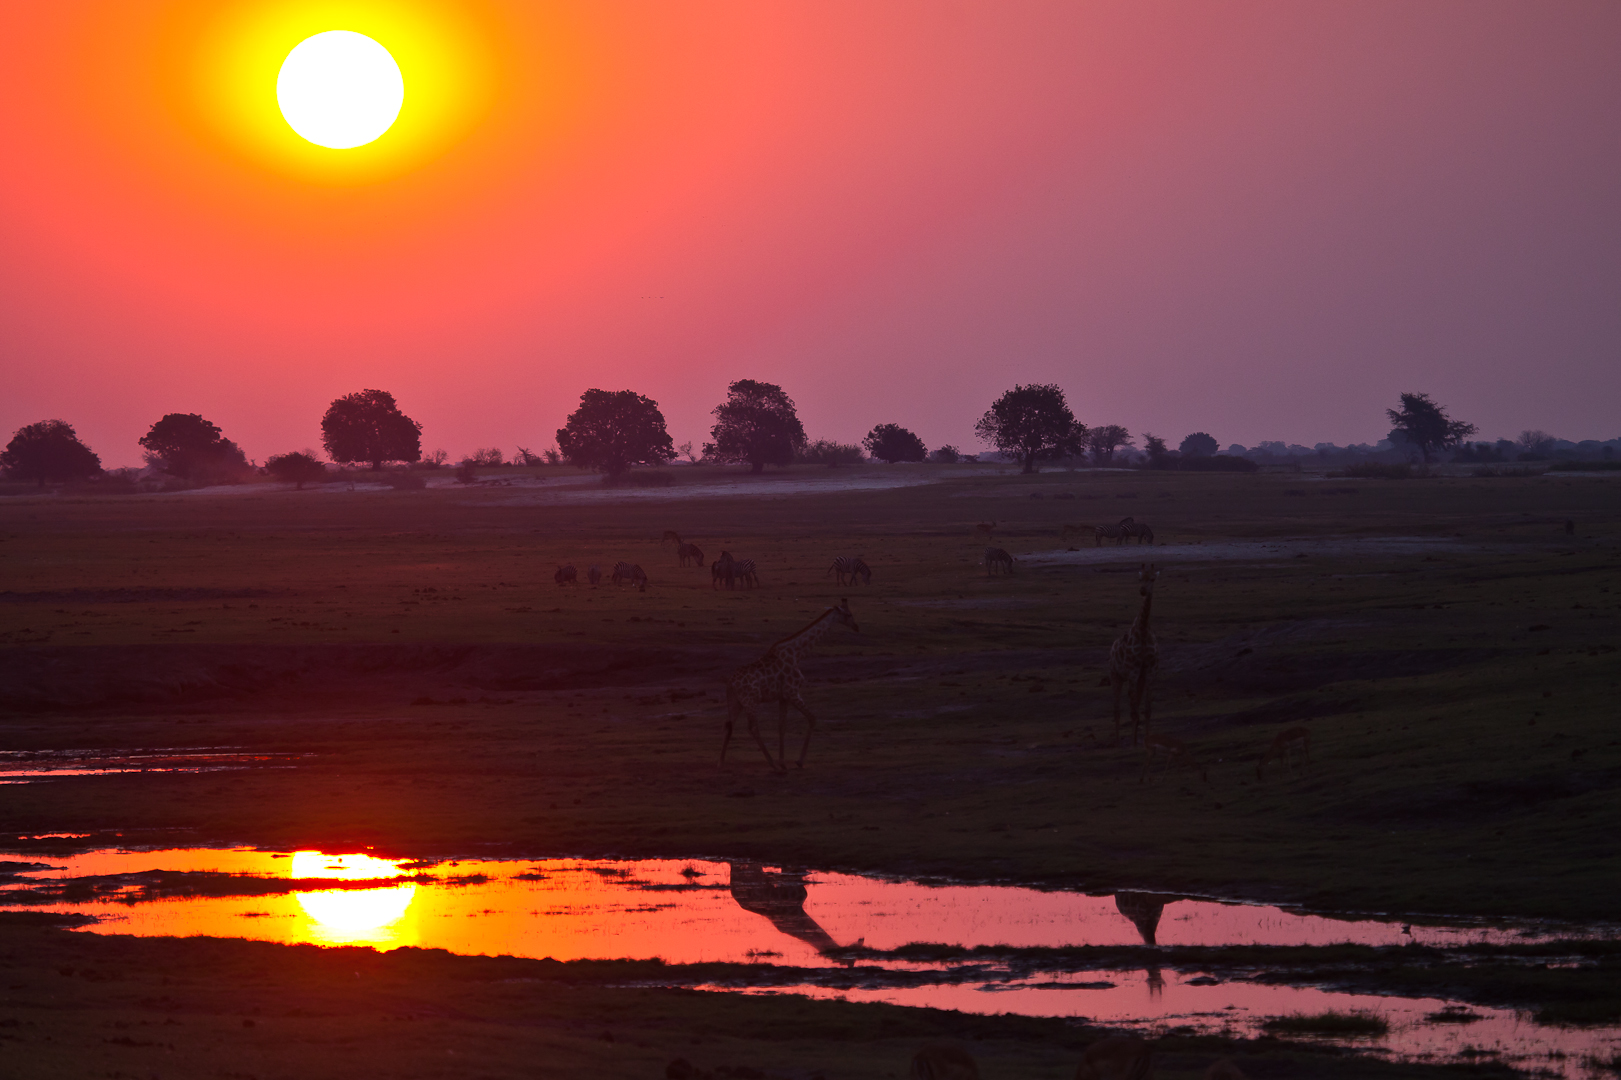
1133	658
776	677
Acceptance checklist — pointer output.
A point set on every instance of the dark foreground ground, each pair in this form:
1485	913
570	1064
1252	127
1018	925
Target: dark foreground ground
1461	695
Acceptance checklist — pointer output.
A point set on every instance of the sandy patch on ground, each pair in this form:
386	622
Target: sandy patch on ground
1247	550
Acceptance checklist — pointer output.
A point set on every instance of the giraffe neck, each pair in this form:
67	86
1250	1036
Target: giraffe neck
1140	627
795	644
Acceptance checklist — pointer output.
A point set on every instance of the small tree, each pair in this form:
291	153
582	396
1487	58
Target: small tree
757	423
1104	440
892	443
187	446
1033	423
1535	445
946	455
1425	425
368	426
1199	444
48	451
299	467
613	430
1158	455
831	453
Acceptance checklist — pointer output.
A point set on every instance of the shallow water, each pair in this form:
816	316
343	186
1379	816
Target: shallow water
34	766
703	911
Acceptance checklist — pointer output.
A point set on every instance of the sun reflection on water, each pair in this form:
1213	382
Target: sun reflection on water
350	916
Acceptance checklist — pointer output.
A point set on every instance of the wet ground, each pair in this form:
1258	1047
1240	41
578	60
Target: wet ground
824	935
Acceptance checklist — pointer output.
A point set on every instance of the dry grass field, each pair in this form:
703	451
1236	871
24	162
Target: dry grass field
1451	648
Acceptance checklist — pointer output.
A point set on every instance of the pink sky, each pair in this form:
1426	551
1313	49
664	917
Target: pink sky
1260	220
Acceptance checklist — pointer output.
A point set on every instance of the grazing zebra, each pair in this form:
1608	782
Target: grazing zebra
670	537
566	575
844	567
624	571
722	569
594	575
1117	533
1141	531
692	552
745	570
995	557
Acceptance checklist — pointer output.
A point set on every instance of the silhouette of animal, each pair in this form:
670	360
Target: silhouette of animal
1141	531
1133	659
1288	741
944	1063
670	537
690	553
776	676
846	567
1175	752
566	575
995	557
594	575
624	571
1119	1057
722	569
746	572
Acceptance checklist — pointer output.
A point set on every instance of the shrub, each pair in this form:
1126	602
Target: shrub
1199	444
435	460
1379	470
489	457
946	455
830	453
298	467
892	443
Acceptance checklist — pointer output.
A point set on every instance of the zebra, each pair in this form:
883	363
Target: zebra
1117	533
994	557
1141	531
844	567
566	575
745	570
594	575
722	569
624	571
690	551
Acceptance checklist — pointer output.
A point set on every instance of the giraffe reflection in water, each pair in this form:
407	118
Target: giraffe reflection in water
1144	910
779	897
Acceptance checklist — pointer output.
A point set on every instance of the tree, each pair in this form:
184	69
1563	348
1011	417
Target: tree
892	443
1105	440
1199	444
1425	425
756	423
1032	423
613	430
946	455
187	446
1158	455
299	467
1535	445
368	426
48	451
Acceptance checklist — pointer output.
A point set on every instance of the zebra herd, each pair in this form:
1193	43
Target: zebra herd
622	571
1126	528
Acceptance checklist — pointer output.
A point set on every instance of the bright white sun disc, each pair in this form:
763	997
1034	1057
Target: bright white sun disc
340	89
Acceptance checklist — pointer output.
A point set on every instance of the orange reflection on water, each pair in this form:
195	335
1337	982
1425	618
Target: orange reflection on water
354	916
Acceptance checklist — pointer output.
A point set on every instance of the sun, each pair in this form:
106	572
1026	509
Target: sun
340	89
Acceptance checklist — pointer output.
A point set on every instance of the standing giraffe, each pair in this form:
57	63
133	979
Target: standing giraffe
1133	658
776	676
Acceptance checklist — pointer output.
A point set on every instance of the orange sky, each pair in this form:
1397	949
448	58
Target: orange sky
1259	220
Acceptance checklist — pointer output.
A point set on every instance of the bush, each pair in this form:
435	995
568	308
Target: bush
946	455
1379	470
299	467
892	443
1219	463
489	457
830	453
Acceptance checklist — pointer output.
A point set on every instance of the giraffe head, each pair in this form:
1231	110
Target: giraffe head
841	613
1147	574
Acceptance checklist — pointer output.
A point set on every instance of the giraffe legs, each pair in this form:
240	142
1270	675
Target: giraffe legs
810	726
1119	685
754	729
1142	698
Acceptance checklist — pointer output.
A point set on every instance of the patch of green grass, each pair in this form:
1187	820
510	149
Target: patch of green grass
1342	1024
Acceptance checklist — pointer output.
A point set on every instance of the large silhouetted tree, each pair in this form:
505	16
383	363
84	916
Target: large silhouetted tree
1425	424
368	426
1033	423
756	423
1199	444
1104	440
187	446
892	443
48	451
613	430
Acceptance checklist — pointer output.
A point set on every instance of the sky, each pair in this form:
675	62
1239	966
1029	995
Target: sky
1262	220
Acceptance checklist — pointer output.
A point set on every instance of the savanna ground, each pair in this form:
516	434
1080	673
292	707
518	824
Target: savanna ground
1460	693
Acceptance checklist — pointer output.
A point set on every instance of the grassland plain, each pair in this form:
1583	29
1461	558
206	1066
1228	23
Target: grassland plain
1460	690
